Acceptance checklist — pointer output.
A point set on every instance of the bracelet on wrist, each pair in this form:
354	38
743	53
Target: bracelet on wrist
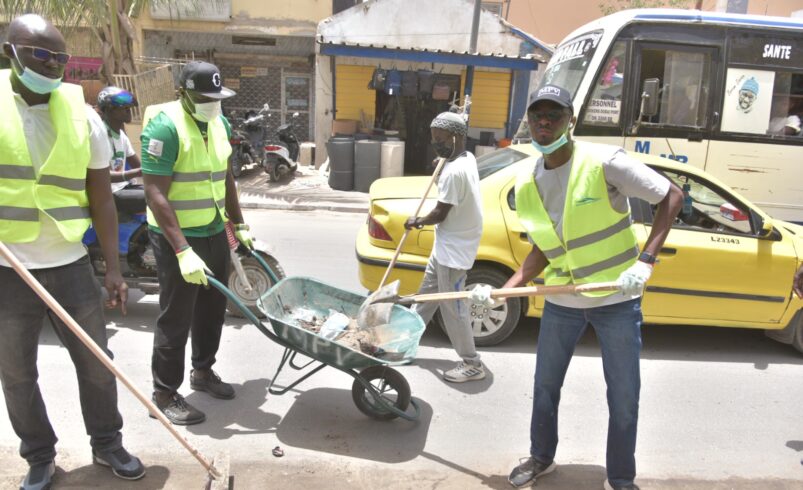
182	248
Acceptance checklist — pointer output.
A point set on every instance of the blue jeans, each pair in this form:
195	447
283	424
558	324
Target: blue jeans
618	328
74	286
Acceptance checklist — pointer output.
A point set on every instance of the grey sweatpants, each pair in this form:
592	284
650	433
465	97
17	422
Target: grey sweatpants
441	279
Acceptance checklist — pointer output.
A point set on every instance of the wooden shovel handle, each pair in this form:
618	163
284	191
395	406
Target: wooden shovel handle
517	292
79	332
407	232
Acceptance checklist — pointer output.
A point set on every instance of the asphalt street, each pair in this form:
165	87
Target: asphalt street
720	408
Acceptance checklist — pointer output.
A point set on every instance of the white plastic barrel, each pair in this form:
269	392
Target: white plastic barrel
392	159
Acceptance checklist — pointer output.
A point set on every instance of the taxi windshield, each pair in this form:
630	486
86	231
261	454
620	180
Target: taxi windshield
571	60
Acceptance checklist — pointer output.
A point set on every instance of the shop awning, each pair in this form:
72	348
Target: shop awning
491	60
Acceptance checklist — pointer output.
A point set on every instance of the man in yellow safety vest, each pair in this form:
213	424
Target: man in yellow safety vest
54	183
574	206
190	194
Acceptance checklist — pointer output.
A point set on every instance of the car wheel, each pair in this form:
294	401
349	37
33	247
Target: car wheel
491	326
792	334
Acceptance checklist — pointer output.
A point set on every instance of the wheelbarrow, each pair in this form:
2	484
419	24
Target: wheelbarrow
378	390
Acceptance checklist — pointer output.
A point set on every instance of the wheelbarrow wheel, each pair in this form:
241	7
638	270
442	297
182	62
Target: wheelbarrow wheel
260	283
389	384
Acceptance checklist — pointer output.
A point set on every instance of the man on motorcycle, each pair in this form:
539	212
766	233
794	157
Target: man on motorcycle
114	105
191	194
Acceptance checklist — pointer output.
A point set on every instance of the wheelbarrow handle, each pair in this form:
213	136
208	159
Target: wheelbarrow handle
514	292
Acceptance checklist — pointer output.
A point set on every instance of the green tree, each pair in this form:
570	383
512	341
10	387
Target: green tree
611	6
109	21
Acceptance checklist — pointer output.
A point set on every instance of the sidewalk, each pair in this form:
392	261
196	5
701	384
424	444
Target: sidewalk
307	191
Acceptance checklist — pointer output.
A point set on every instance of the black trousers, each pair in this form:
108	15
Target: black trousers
187	308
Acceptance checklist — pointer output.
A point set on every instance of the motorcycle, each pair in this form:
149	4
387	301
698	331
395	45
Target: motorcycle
282	160
247	279
247	140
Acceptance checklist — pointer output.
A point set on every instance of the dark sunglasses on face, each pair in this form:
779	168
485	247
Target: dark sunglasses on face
551	116
46	55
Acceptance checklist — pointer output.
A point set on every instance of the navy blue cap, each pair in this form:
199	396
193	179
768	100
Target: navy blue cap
554	93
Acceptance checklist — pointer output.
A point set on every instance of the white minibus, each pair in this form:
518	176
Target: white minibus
722	92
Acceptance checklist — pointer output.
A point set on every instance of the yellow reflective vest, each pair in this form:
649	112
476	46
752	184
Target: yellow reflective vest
198	190
59	187
598	241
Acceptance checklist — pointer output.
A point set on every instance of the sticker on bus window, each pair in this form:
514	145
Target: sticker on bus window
748	99
603	111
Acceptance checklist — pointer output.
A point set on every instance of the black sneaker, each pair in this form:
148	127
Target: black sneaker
123	464
176	409
39	476
210	382
528	470
630	486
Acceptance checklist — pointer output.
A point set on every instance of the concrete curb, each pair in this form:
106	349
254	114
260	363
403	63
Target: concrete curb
308	206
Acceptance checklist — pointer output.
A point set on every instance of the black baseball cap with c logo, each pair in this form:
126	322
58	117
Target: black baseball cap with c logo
204	78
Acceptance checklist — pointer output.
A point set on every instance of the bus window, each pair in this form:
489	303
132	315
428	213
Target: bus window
605	105
683	75
568	65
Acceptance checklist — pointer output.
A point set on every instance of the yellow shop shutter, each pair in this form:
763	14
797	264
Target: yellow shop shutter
490	98
352	92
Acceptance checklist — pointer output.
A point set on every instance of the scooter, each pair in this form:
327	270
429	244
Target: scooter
248	280
282	160
247	140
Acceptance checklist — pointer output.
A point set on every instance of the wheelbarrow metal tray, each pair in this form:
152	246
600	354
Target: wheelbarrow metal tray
281	305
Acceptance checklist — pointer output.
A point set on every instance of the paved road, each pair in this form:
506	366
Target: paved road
720	408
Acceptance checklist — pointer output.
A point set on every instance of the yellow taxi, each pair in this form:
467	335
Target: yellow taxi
725	263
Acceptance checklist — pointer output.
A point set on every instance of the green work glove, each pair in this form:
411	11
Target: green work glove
192	267
243	234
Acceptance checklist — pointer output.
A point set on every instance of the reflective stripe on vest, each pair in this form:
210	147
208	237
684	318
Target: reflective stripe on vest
198	188
598	241
59	189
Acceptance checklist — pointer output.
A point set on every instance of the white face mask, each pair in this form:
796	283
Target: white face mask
207	111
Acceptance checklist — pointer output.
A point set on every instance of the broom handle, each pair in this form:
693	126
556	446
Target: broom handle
101	355
406	231
517	292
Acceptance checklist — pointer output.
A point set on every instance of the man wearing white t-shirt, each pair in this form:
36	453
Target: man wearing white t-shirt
54	181
458	227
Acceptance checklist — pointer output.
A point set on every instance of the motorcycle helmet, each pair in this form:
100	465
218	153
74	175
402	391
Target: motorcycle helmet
115	97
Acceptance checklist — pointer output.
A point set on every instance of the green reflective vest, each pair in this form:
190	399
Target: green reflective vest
598	242
198	190
59	189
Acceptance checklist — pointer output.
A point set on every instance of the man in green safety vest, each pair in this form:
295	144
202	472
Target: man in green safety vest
574	206
54	183
191	194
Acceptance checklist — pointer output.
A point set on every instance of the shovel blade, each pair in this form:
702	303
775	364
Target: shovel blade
371	314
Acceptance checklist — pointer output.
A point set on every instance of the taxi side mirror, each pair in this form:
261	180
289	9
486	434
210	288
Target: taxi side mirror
769	232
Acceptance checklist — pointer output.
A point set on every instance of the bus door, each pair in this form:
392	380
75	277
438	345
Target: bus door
687	81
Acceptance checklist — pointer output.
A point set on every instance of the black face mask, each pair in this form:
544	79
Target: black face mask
443	150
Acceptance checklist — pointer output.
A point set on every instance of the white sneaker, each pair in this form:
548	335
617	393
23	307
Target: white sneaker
465	372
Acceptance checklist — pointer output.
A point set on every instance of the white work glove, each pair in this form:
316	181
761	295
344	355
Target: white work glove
481	296
243	235
192	267
633	279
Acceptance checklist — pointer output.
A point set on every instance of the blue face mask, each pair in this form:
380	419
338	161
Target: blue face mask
552	147
35	82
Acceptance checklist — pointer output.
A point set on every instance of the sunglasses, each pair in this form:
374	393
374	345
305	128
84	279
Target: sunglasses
551	116
122	99
46	55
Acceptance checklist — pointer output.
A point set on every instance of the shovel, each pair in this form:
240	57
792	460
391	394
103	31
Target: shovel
501	293
217	470
370	315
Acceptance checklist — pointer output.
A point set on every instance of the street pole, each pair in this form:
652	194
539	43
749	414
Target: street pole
472	49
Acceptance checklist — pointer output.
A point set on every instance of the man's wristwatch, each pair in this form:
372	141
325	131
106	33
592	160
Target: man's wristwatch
648	258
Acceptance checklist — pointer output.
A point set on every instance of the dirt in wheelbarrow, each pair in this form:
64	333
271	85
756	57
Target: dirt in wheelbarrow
352	336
